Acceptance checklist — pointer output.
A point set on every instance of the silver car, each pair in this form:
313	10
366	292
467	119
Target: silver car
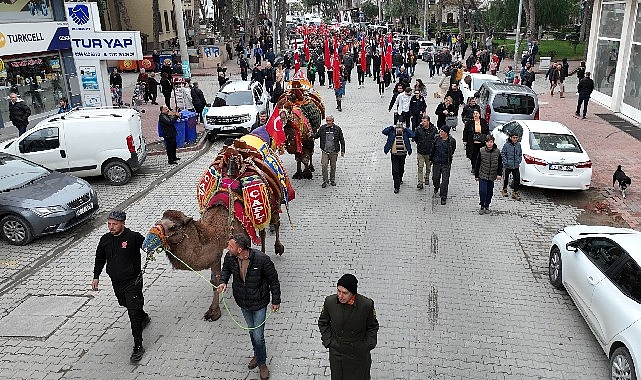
36	201
599	268
503	102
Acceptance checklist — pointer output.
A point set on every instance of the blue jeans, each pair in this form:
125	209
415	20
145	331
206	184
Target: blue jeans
257	336
486	190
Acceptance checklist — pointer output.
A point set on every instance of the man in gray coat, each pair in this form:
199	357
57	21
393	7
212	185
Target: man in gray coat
511	154
349	328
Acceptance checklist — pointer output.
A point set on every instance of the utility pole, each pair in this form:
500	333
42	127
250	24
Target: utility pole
182	37
425	7
518	36
274	35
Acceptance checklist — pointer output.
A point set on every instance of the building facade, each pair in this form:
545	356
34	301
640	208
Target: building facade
614	56
36	61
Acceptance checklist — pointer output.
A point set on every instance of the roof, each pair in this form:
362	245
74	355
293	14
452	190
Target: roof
87	113
237	85
509	87
627	238
546	126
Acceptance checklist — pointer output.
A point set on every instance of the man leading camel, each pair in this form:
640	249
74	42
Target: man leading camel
254	278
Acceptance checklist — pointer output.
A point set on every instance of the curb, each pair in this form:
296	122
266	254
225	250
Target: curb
199	145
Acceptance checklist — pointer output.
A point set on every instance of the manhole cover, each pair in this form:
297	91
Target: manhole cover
39	316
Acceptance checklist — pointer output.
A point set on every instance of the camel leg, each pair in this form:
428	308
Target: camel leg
214	309
262	239
307	174
278	246
298	174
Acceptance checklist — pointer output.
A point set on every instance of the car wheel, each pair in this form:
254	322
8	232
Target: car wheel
117	172
621	365
555	268
15	230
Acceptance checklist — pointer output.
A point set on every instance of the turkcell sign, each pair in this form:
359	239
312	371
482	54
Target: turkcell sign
107	46
44	36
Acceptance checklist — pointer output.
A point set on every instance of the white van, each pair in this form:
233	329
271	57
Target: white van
86	142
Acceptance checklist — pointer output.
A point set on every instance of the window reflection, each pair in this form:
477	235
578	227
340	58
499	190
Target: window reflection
633	83
607	55
612	20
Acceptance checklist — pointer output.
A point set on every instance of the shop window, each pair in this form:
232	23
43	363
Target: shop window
166	21
38	141
611	22
173	20
607	54
632	95
25	11
637	26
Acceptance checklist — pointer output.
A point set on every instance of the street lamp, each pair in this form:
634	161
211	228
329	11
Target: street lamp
518	35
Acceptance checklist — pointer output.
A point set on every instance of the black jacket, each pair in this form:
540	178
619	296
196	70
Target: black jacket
258	75
585	87
417	105
19	113
115	80
441	116
443	150
457	96
198	98
167	125
122	255
261	279
339	140
425	138
468	112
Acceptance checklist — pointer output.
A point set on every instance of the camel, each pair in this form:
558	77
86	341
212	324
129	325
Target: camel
305	111
239	172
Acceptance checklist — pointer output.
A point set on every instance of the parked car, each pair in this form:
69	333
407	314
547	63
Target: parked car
425	47
86	142
36	201
475	83
553	158
235	109
503	102
599	268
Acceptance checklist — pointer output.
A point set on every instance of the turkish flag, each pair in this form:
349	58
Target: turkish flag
363	58
306	49
275	127
337	70
326	52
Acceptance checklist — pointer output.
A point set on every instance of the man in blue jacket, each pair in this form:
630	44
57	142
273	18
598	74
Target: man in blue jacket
398	143
255	277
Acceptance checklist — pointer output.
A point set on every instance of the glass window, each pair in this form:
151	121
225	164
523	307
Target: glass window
632	94
607	54
637	26
552	142
15	172
25	11
239	98
628	280
611	22
511	127
513	104
602	252
41	140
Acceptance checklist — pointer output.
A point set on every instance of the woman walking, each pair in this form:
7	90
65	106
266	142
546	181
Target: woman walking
474	136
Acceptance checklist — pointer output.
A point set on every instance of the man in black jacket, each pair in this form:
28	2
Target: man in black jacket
120	250
441	158
331	142
19	113
198	100
254	278
166	120
349	328
424	136
584	88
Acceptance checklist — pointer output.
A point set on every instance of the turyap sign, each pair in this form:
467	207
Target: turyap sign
28	38
92	48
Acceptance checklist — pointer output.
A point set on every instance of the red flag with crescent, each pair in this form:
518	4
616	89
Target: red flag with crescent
275	127
337	69
363	58
306	48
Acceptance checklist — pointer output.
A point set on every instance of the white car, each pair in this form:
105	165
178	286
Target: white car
424	46
553	158
599	268
476	81
235	109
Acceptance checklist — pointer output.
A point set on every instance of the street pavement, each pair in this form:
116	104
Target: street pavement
457	294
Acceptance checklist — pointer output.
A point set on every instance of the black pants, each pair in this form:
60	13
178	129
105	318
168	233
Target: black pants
361	77
416	120
21	129
377	73
381	87
405	117
398	169
330	77
582	100
349	75
516	178
199	110
441	178
153	95
129	295
170	143
321	78
243	74
167	96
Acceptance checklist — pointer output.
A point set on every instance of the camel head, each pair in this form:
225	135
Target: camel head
168	232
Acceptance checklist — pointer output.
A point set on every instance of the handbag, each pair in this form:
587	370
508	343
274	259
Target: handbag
478	137
451	121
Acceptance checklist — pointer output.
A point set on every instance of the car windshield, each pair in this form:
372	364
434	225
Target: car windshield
16	172
520	104
552	142
238	98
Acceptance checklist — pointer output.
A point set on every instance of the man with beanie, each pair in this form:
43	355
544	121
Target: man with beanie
349	328
120	250
255	277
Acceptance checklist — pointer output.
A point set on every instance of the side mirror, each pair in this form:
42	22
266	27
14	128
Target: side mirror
570	247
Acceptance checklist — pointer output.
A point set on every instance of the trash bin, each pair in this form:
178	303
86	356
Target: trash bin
180	126
190	128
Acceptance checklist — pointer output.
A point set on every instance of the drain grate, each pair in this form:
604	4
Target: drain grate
621	124
39	316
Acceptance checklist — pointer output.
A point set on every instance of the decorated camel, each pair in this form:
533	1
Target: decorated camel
241	191
305	112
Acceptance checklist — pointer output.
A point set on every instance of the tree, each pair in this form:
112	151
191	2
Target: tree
155	12
370	10
123	17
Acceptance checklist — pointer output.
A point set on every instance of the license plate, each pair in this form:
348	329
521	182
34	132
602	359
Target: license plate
84	209
565	168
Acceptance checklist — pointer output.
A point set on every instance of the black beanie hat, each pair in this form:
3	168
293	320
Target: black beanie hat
349	282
